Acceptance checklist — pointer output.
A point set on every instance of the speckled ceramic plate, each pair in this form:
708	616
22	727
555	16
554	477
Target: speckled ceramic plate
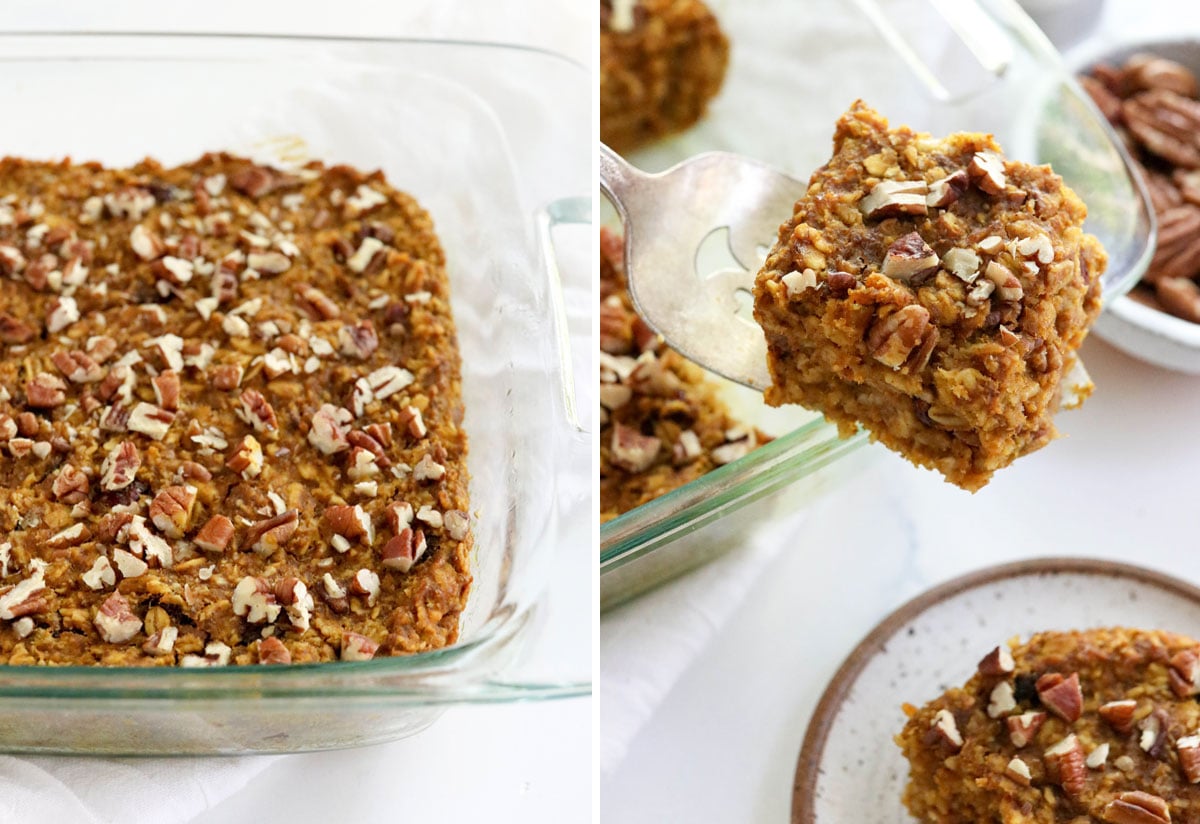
849	769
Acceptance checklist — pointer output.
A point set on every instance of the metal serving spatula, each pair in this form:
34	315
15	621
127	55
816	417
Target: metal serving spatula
669	216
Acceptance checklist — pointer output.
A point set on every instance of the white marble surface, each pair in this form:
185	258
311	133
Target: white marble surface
527	763
1121	484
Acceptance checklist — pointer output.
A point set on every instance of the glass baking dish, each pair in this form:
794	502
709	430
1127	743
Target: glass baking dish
479	150
938	65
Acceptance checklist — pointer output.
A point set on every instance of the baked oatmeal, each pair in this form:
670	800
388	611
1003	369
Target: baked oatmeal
661	61
229	417
932	291
662	422
1101	725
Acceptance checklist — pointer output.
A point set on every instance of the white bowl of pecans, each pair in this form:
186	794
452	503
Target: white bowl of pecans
1150	93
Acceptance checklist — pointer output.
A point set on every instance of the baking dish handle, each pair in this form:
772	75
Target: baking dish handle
562	212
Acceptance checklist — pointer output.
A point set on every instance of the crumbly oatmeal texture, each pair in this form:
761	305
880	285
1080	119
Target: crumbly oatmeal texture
229	417
661	61
1101	725
662	424
933	291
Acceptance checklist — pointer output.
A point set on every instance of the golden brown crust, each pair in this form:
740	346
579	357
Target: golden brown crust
658	77
651	392
241	357
1147	750
865	322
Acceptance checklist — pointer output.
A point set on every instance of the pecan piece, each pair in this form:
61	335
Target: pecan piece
73	535
356	647
149	419
257	411
1061	695
1137	807
404	550
247	458
272	651
266	536
1119	715
226	377
893	339
351	522
316	303
146	244
77	367
1154	733
120	466
631	450
1018	771
909	258
1188	748
329	429
1068	766
13	330
891	198
1185	672
1006	284
254	599
215	535
115	621
997	662
365	583
946	728
166	390
987	170
71	485
1167	124
948	190
359	340
1022	728
171	510
45	391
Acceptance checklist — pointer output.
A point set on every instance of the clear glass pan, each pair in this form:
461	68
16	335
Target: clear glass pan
938	65
480	135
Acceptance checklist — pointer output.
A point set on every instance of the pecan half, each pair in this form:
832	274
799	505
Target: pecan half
1137	807
1167	124
1145	72
1068	765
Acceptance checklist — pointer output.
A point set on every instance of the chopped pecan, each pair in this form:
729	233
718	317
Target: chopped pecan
149	419
365	583
256	410
70	485
948	190
73	535
215	535
162	642
987	170
329	429
1018	771
77	366
1188	748
272	651
358	341
1061	695
115	621
1119	715
1024	727
1006	284
893	340
246	458
631	450
909	258
1185	672
458	524
891	198
403	550
111	525
166	390
273	263
256	181
268	535
120	466
171	510
1068	765
946	727
1002	701
997	662
146	244
316	303
226	377
254	599
45	391
1154	733
350	522
13	330
356	647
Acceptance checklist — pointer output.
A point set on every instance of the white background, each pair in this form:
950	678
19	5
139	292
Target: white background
1121	484
526	763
